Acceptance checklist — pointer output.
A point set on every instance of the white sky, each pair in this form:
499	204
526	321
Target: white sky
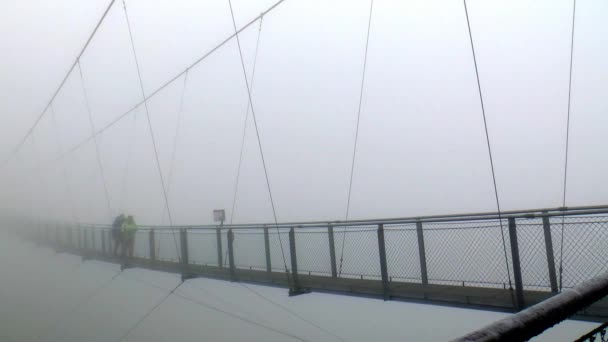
421	143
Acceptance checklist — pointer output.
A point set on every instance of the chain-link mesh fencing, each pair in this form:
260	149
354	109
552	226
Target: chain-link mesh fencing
456	253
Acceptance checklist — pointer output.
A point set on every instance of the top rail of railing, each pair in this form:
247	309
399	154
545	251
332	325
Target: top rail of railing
467	217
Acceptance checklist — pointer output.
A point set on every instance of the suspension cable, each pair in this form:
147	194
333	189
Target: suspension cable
352	166
485	124
168	82
175	136
143	93
561	245
68	188
40	183
255	123
132	144
238	172
97	152
61	84
173	152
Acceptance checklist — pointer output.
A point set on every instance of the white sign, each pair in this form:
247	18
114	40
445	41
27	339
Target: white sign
219	215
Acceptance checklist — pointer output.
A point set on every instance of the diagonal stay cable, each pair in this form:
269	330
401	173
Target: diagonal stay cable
168	82
61	84
257	132
238	172
96	143
485	124
239	317
158	167
60	318
213	308
148	313
352	167
292	313
561	245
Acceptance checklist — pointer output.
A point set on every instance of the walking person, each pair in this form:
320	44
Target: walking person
117	232
128	234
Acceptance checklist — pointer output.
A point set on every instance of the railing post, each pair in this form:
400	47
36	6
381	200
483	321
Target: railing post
519	289
69	243
183	234
93	239
267	249
218	235
152	245
78	237
294	288
47	234
230	238
85	244
103	242
422	254
57	236
383	268
550	257
332	251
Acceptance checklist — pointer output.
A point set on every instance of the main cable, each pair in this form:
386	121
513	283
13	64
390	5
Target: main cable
167	83
77	61
485	124
257	132
143	93
238	172
352	166
97	151
561	245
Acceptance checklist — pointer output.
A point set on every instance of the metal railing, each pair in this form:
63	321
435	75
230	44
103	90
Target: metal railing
596	335
538	318
457	250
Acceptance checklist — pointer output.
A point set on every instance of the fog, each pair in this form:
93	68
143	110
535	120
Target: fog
421	145
56	297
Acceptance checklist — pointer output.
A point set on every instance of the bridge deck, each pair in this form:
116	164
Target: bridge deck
494	299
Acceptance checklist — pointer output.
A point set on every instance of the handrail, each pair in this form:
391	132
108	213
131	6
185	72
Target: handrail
470	217
534	320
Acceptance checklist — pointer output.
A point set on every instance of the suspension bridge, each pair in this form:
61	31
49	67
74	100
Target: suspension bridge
501	260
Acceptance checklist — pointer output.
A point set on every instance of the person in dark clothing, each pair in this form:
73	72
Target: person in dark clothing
117	234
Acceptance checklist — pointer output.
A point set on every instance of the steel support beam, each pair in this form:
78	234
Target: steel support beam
267	249
383	267
519	288
218	243
332	251
550	256
422	254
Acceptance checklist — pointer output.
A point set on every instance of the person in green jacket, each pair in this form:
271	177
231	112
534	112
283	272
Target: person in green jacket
128	230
